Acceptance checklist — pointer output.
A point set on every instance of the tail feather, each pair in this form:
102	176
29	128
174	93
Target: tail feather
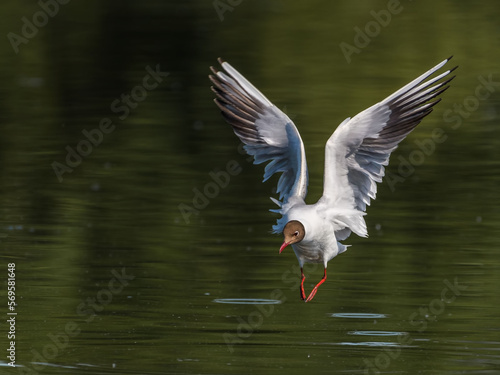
352	219
342	247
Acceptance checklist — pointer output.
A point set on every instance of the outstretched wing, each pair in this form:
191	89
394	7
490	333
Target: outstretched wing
360	147
268	134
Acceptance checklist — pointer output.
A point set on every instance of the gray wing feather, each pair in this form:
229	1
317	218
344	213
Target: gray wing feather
268	134
359	149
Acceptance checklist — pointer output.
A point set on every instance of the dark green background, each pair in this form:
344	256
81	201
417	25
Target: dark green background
118	210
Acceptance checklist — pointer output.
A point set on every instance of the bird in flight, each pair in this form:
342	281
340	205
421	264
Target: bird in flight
355	157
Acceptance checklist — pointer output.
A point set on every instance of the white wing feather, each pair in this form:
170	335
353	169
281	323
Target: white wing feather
268	134
358	150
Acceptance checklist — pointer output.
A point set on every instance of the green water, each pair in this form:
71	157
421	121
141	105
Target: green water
109	133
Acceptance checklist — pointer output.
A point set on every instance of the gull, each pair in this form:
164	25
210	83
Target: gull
355	158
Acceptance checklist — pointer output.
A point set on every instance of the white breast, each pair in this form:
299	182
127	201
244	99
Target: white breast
319	244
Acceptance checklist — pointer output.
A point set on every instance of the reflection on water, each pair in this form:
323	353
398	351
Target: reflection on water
248	301
376	333
133	199
359	315
371	343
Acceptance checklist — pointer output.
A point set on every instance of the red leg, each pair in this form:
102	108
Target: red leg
313	292
302	293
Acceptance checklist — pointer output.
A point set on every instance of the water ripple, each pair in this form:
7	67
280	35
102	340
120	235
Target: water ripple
377	333
359	315
247	301
371	343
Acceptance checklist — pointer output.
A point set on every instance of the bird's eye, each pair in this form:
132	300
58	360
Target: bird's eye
296	233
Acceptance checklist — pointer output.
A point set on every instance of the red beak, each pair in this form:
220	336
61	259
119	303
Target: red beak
285	244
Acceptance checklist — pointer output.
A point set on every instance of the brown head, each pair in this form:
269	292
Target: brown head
293	232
